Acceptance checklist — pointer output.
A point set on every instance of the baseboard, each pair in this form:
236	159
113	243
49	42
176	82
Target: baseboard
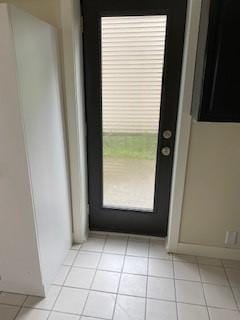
21	288
207	251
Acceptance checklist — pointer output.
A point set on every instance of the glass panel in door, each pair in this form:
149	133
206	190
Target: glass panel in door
132	50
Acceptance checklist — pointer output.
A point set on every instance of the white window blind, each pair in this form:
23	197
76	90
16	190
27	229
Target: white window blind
132	66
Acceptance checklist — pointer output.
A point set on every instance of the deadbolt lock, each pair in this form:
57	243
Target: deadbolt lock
166	151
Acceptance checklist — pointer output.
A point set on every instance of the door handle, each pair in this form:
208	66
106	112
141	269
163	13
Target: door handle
165	151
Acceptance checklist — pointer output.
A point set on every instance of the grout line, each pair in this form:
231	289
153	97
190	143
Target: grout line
13	293
62	313
112	271
69	265
76	244
120	279
89	291
134	296
120	254
11	305
22	304
53	306
20	307
205	299
175	290
190	304
231	288
145	313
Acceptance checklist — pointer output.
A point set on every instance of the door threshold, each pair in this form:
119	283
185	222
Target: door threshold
140	236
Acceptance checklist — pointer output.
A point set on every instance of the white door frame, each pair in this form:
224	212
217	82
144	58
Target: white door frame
73	79
184	124
75	115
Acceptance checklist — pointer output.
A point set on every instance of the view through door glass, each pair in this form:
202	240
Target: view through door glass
132	65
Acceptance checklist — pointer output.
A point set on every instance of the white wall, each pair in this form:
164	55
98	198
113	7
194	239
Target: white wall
211	203
211	195
40	98
35	222
46	10
65	16
19	260
205	191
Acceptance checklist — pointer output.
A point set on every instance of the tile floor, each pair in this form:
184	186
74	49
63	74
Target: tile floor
131	278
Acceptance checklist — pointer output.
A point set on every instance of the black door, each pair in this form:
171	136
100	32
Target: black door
133	59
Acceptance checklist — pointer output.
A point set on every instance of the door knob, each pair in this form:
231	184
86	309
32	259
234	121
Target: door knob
165	151
167	134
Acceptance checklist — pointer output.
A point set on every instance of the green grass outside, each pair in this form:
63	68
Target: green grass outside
133	146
